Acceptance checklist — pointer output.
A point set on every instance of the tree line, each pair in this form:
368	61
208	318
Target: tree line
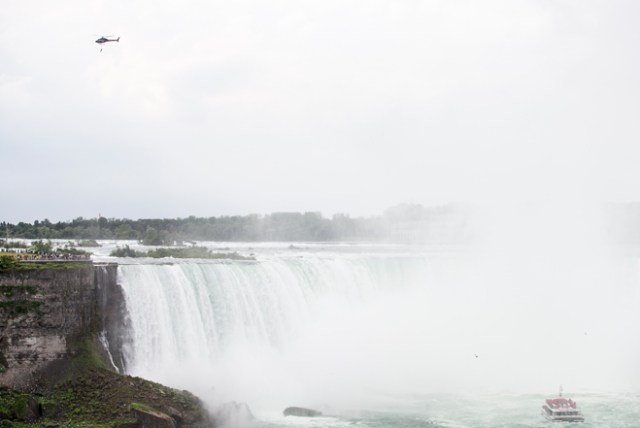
407	222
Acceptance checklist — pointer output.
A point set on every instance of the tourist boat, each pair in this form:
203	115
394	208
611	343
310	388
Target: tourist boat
562	409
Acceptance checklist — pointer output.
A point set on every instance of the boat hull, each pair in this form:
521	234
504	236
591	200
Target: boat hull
562	416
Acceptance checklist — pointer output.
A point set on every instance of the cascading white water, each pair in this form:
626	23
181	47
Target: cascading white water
342	329
200	309
227	329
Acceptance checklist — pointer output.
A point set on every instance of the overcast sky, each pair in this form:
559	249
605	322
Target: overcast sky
213	107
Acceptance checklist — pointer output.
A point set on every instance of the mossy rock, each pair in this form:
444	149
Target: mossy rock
151	418
88	394
15	406
51	409
99	396
10	290
16	308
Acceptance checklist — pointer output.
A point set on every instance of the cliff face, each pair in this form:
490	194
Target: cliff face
62	330
112	314
44	315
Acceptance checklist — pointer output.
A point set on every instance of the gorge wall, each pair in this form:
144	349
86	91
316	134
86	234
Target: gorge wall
48	313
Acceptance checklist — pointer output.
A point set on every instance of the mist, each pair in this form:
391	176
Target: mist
541	298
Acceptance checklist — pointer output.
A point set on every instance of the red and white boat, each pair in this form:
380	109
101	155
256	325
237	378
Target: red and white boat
562	409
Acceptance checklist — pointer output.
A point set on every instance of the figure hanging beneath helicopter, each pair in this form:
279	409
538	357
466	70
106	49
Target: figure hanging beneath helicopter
106	39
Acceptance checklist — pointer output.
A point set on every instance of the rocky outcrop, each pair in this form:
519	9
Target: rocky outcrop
301	411
98	396
149	418
62	330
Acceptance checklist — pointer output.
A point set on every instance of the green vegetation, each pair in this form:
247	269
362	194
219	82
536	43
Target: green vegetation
153	237
89	358
16	408
140	406
126	251
67	249
14	264
90	395
57	265
19	303
8	262
178	253
41	247
8	290
42	255
15	308
97	396
399	222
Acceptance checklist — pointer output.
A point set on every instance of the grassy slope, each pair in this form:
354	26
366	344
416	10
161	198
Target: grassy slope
90	395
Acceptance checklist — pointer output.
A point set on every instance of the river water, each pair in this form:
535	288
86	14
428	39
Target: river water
390	335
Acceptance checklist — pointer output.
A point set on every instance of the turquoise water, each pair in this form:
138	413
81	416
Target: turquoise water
492	411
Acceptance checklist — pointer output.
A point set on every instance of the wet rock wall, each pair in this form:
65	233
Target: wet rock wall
47	313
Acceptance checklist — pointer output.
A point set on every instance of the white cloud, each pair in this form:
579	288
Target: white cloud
334	106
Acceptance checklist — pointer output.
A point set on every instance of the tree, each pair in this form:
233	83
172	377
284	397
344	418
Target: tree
151	236
41	246
7	263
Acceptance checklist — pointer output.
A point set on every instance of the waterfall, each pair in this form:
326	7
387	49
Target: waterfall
197	321
315	328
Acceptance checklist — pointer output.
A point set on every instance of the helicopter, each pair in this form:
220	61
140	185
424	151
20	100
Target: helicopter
105	39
